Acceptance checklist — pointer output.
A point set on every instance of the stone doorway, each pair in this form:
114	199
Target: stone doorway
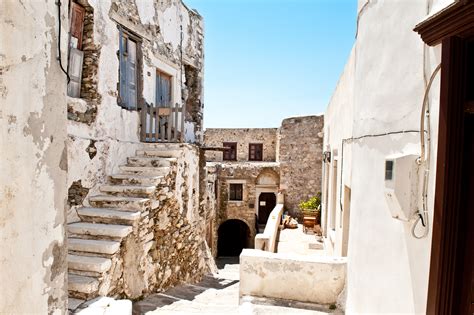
233	237
266	203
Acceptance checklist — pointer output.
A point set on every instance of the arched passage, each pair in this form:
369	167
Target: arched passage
233	236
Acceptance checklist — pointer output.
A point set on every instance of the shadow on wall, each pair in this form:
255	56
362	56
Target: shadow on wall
233	237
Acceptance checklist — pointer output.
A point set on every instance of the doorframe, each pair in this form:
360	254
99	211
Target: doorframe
452	27
258	203
264	189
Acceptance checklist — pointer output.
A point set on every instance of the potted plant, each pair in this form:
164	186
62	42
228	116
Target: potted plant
311	210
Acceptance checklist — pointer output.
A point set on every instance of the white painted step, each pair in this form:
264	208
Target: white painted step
88	263
93	246
73	303
160	153
145	170
150	161
124	202
82	284
128	189
91	214
98	229
137	179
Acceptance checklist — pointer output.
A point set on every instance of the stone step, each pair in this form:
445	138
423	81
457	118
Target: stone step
150	161
82	284
160	153
88	263
145	170
128	190
123	202
106	215
73	304
134	179
98	229
93	246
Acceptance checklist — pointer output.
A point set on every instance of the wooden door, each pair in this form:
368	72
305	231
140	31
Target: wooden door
266	203
466	274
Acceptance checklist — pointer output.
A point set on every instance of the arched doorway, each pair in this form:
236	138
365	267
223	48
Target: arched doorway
266	203
233	236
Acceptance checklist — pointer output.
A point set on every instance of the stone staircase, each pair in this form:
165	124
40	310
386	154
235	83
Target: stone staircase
96	241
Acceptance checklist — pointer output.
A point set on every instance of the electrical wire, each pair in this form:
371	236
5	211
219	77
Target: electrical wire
359	138
58	4
424	160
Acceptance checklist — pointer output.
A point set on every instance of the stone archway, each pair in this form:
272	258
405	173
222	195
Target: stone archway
233	237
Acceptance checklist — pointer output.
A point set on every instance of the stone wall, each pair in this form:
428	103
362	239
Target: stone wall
245	210
33	163
169	244
300	157
266	136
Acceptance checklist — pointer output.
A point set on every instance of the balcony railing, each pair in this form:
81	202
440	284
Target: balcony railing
162	124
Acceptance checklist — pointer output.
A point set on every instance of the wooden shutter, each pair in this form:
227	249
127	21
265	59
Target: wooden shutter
255	151
122	68
231	153
76	24
75	72
132	74
163	89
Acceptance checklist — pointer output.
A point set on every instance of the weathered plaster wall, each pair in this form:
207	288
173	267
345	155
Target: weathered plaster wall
300	157
214	137
33	159
338	120
388	268
246	174
96	120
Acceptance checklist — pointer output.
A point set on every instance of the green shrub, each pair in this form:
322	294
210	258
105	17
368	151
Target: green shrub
312	205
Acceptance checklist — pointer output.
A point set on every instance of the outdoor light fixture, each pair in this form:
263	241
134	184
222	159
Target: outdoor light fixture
327	156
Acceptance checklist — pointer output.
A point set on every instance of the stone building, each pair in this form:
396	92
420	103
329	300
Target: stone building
258	163
119	203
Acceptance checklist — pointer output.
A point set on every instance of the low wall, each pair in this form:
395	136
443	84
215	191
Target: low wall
268	239
290	277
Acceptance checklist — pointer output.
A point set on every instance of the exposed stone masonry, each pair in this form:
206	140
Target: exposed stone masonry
300	156
144	234
243	136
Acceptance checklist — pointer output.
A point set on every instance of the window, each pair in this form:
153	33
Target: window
231	153
235	192
163	89
76	55
255	152
128	70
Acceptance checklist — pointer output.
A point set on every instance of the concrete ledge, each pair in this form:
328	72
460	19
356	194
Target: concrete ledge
313	279
267	240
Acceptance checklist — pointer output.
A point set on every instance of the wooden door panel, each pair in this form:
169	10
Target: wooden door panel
77	23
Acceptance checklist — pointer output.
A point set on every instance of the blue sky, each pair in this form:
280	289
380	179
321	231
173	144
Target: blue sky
266	60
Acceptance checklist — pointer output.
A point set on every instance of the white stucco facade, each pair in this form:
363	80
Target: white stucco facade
33	164
377	107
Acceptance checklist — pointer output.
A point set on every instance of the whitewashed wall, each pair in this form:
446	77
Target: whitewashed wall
33	159
384	79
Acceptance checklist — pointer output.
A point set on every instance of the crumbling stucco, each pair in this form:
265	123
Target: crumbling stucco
32	182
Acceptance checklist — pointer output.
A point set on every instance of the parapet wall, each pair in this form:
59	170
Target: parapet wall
290	277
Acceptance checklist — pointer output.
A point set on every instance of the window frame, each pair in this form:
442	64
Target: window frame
234	195
129	35
256	158
227	154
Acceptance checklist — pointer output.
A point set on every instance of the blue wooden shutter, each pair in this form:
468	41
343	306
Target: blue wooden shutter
132	74
122	69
